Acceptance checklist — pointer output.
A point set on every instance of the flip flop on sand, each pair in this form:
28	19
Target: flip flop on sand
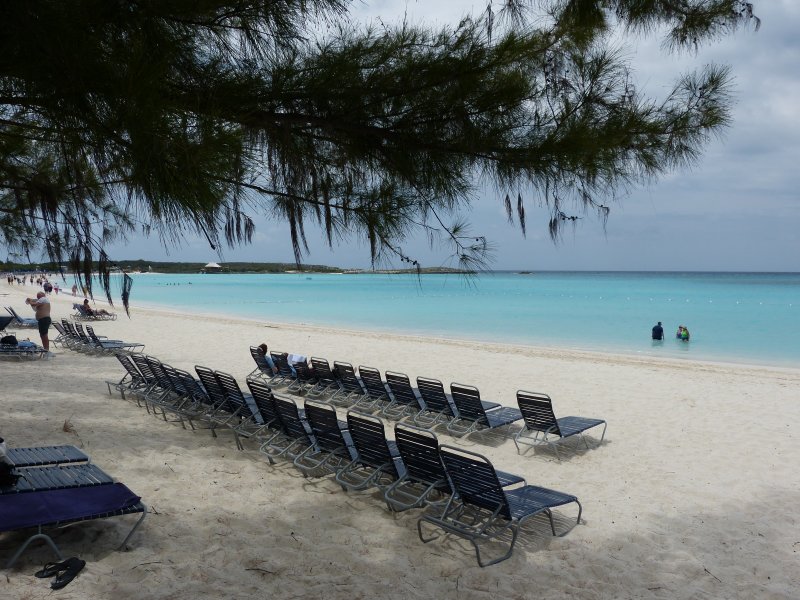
74	566
51	569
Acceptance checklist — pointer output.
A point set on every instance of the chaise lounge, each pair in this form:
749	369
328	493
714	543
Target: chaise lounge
537	411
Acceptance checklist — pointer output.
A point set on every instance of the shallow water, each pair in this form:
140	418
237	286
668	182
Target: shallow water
741	317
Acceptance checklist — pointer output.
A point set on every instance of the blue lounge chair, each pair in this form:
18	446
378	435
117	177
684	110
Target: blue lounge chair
112	346
327	383
405	401
296	437
55	477
350	391
23	350
163	394
83	343
84	315
224	411
148	379
45	455
475	414
265	401
20	350
285	375
480	510
425	481
62	340
131	380
377	395
263	370
74	340
304	378
193	403
333	447
537	411
439	407
378	463
59	507
20	320
249	423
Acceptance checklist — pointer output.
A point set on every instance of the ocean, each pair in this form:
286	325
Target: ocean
732	317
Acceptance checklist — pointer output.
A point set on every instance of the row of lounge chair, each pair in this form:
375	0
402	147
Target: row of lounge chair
427	405
212	400
463	494
73	337
57	486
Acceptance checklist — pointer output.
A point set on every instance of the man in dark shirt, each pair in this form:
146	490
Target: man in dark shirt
658	332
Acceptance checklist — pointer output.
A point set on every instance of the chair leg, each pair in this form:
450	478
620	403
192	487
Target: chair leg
514	533
424	539
135	527
38	536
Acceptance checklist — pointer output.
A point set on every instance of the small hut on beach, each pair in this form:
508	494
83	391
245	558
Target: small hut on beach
212	267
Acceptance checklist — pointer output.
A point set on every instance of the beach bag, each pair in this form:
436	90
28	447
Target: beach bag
8	340
7	475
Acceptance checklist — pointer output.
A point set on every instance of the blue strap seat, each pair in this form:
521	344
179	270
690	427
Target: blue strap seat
54	508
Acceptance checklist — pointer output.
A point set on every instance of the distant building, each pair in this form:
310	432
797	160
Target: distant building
212	267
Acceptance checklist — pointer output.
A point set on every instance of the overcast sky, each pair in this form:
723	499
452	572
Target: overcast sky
737	210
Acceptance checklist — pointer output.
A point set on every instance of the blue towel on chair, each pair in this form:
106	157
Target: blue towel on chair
18	511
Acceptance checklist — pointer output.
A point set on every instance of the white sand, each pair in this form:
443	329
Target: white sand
694	493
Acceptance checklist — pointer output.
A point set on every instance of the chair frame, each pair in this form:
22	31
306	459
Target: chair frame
27	322
263	370
333	447
425	482
106	345
480	510
351	390
405	401
539	419
378	463
475	414
327	383
425	476
296	435
439	409
30	497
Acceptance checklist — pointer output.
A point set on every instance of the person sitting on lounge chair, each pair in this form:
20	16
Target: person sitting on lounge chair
263	350
95	312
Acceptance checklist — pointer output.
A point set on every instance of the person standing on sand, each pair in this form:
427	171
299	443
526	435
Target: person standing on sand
41	305
658	332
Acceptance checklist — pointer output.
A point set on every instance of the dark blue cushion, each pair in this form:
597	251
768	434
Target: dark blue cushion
60	506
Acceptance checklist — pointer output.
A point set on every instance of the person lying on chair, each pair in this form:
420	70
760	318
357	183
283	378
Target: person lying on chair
93	312
263	350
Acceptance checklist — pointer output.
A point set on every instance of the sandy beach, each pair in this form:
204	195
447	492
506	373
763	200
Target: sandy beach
693	493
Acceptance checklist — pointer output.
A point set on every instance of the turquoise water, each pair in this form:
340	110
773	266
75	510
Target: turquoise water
740	317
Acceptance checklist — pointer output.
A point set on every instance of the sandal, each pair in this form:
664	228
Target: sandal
74	566
51	569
